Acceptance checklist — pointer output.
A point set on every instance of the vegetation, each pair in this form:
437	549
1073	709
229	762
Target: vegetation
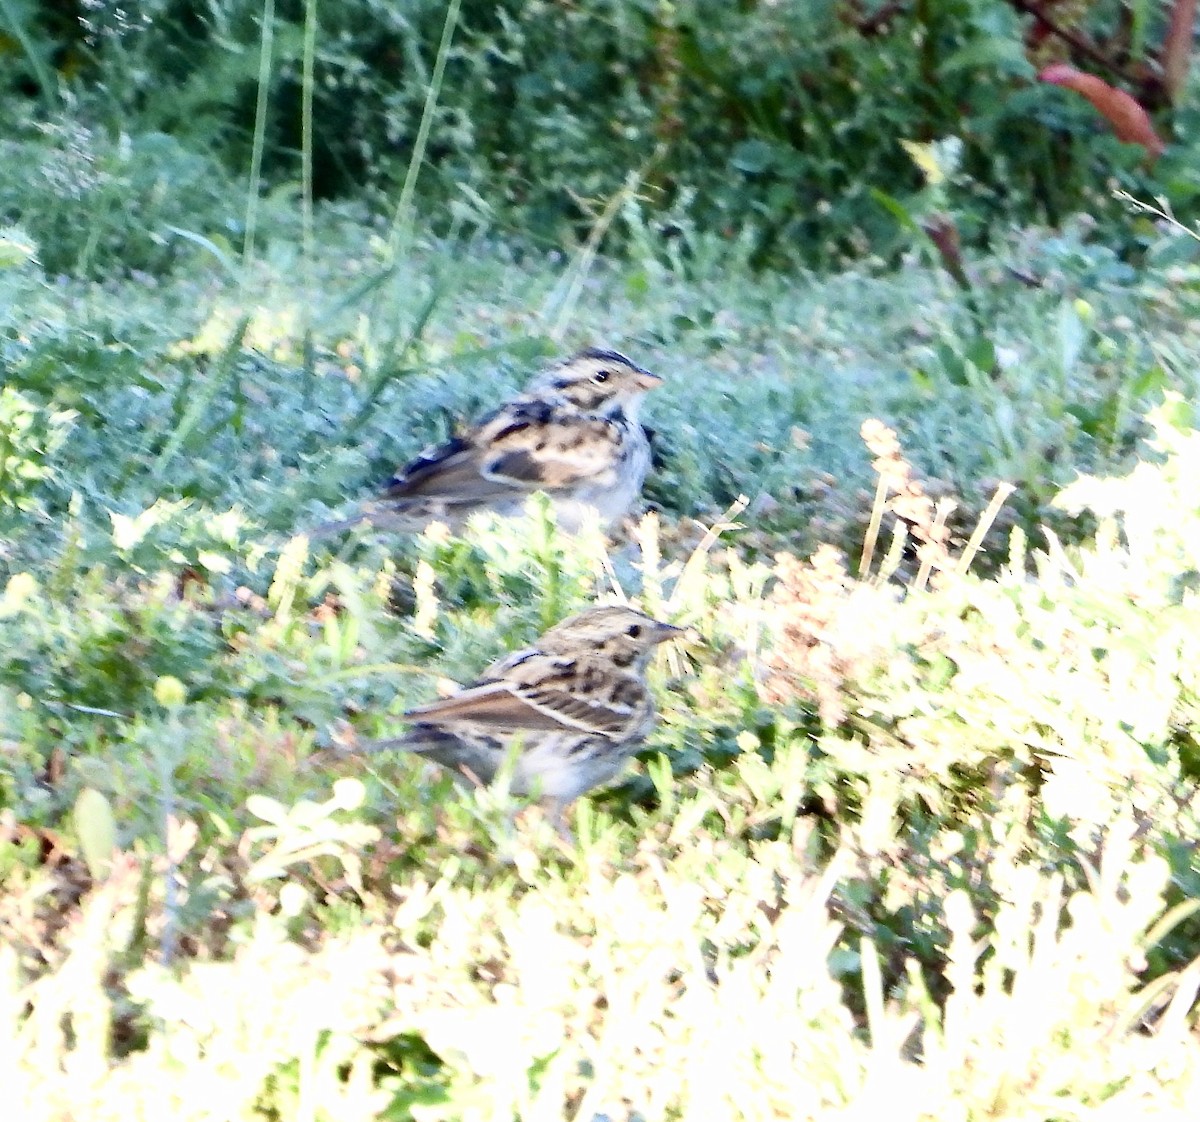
916	830
782	121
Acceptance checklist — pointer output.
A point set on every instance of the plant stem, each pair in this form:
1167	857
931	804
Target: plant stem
402	222
41	72
260	132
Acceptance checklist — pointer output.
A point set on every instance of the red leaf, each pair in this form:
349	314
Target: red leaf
1129	120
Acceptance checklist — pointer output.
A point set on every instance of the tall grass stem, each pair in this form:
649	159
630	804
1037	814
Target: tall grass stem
402	220
265	53
584	259
306	158
872	536
985	523
41	72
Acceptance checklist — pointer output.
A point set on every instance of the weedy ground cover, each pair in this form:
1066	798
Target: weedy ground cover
916	828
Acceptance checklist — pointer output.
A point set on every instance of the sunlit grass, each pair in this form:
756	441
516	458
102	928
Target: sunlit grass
917	840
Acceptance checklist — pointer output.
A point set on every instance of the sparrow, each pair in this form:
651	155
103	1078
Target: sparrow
569	710
574	434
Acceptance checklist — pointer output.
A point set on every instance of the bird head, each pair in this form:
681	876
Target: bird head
626	636
600	381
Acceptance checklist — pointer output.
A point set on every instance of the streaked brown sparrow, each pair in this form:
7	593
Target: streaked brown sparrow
574	434
570	710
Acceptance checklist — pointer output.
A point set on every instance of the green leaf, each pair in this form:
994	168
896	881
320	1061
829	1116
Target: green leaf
207	243
97	831
896	209
1178	413
1072	332
15	249
1152	378
752	156
982	354
1004	56
953	365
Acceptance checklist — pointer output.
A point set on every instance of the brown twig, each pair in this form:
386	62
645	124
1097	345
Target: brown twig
1177	48
1074	40
942	231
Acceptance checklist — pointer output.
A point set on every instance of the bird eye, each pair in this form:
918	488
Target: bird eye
602	376
634	631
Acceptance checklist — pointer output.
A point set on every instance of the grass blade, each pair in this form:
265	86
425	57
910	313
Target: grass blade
254	183
224	370
402	221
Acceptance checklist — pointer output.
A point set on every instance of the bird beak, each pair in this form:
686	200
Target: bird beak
665	632
648	381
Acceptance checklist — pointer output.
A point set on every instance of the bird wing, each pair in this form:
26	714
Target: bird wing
546	693
527	445
494	704
451	472
555	451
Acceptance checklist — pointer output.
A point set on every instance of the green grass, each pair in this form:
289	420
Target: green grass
941	856
768	376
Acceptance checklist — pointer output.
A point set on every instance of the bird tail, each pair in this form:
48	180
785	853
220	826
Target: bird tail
405	743
328	529
424	740
369	518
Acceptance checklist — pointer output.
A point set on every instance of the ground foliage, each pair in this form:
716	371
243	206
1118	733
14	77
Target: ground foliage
781	120
916	831
894	822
